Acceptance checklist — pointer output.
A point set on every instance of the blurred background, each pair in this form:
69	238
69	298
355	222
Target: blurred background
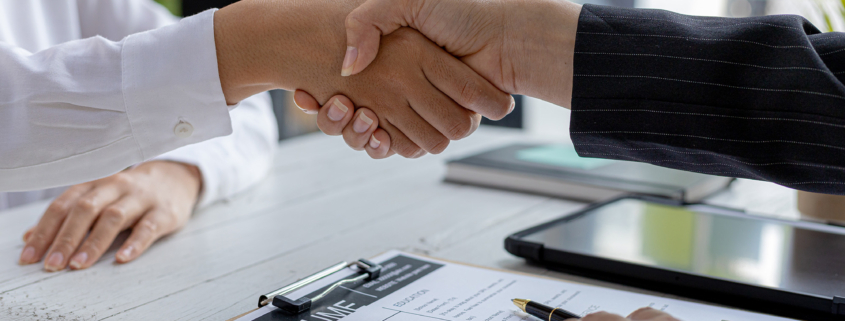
532	115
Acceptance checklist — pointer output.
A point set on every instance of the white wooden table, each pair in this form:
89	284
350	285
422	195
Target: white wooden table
321	204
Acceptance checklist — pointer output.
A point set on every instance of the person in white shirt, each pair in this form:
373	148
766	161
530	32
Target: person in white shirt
91	87
154	198
79	102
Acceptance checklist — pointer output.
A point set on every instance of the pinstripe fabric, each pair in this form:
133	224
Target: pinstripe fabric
758	98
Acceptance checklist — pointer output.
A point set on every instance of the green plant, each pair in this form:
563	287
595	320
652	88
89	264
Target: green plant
175	6
829	10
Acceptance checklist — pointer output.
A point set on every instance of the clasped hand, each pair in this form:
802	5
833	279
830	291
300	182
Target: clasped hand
418	96
491	37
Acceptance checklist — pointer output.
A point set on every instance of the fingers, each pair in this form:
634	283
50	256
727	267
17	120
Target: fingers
114	219
77	224
43	234
450	119
364	27
399	143
149	228
335	115
305	102
418	131
378	146
650	315
603	316
358	132
466	87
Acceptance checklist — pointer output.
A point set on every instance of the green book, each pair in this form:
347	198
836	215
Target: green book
557	170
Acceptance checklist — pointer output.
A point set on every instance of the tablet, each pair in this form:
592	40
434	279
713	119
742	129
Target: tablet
789	268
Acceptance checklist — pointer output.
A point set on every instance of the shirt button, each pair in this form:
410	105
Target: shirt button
183	130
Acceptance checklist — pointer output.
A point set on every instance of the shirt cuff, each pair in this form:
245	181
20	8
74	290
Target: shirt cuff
171	86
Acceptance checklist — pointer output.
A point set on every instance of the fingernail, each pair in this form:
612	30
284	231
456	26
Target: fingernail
349	61
54	262
126	254
78	260
28	255
337	110
362	123
374	143
308	111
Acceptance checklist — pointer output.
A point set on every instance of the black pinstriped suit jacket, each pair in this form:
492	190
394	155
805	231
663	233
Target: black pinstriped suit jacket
758	98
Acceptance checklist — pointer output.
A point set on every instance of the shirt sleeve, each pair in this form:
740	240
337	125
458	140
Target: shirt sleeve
229	164
89	108
759	98
232	164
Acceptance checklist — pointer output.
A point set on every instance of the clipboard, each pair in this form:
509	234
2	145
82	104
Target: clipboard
413	287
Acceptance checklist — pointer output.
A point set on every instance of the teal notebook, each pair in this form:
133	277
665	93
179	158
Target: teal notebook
560	155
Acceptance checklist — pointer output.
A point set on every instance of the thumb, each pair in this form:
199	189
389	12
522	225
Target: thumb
364	27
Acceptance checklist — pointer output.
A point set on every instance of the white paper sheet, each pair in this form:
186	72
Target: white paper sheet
414	288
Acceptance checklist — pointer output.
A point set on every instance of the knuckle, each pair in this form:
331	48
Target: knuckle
64	244
58	207
92	245
440	146
404	38
86	205
470	94
460	130
37	238
122	179
148	225
114	215
352	21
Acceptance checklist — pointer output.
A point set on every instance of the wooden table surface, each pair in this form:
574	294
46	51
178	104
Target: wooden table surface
322	203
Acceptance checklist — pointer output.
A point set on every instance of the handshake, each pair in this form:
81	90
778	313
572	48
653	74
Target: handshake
399	76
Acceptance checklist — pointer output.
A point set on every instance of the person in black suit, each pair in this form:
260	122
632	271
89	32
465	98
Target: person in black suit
759	98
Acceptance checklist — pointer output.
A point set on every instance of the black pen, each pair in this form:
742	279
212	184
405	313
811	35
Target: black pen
544	312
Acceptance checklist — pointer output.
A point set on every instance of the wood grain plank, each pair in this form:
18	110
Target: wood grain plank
322	164
435	224
203	253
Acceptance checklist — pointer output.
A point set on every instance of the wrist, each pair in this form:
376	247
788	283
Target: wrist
188	176
241	75
543	58
263	45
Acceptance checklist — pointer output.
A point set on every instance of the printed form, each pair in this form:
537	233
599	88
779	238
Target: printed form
414	288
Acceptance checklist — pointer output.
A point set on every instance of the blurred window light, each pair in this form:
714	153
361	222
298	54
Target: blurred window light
827	15
740	8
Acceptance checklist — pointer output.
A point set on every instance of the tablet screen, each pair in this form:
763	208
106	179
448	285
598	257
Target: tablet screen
794	256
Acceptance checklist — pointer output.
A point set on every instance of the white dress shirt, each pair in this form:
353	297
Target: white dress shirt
90	87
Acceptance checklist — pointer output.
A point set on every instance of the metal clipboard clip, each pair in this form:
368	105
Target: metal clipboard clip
368	271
